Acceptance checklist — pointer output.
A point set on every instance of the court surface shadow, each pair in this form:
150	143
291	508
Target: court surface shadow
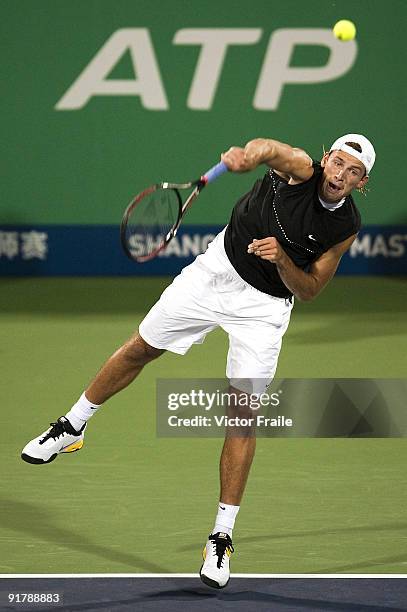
37	521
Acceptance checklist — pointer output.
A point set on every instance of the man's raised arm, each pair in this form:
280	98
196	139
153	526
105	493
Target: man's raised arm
295	163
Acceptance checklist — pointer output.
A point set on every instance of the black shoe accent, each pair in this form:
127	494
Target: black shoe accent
36	461
61	426
223	543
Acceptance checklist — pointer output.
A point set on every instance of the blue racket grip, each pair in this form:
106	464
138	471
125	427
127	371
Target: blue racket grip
214	172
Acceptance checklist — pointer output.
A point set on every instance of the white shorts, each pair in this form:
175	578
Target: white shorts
209	293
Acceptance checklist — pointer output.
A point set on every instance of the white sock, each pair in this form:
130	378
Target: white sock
225	519
81	412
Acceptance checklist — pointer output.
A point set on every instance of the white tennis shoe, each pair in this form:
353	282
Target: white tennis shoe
215	571
61	437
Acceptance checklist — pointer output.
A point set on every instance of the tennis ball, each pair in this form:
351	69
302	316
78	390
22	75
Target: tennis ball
344	30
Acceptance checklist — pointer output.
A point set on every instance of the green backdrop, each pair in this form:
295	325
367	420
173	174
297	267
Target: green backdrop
82	166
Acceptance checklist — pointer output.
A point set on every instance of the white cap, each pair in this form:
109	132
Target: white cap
368	154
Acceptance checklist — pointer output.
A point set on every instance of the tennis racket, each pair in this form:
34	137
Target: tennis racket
153	217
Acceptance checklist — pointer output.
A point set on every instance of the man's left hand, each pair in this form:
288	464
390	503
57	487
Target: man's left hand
267	248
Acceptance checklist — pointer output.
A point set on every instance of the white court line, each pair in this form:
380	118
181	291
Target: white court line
197	576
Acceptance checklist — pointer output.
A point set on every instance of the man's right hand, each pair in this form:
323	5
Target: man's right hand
240	159
235	160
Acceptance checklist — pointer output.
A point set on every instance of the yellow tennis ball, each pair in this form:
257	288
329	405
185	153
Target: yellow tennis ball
344	30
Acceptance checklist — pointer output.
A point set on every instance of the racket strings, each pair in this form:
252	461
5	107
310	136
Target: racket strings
151	221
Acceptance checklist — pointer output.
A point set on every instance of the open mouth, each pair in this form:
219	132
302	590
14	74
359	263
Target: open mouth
333	188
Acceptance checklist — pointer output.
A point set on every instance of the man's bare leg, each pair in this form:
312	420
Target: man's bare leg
237	453
235	461
121	369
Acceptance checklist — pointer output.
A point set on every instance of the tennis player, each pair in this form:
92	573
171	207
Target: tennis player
285	238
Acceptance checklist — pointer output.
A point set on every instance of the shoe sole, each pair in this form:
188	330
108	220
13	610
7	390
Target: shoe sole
72	448
210	582
35	460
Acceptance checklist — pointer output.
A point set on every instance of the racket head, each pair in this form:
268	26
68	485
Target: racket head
150	221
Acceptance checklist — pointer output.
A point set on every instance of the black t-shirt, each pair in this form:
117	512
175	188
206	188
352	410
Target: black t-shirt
294	215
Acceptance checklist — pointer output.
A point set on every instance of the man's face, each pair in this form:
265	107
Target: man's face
342	173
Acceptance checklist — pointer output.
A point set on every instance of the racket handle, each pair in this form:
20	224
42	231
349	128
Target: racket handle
214	172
